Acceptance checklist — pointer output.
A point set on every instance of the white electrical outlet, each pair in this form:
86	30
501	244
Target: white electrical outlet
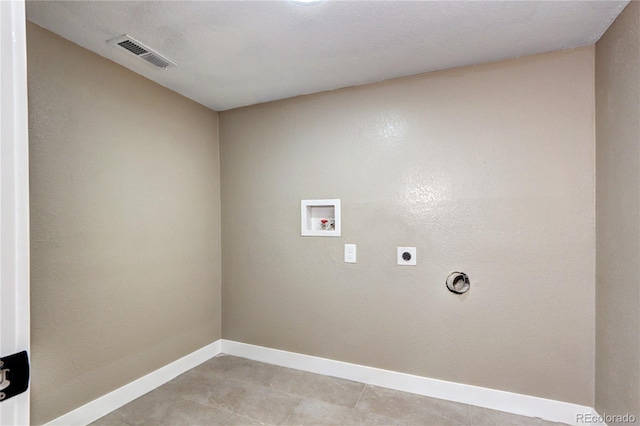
350	253
407	256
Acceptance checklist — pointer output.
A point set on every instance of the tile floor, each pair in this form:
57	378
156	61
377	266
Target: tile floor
228	390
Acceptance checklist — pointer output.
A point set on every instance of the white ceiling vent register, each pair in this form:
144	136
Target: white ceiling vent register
138	49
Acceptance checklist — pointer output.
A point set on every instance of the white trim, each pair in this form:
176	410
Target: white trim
112	401
14	199
524	405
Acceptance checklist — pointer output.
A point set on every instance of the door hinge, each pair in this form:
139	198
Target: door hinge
14	375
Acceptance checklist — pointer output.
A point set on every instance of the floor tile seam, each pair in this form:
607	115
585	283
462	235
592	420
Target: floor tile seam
265	386
302	398
297	395
406	419
448	419
221	408
217	407
269	385
339	379
417	405
173	400
235	379
116	419
292	410
360	396
183	398
297	369
244	416
227	415
392	419
225	376
305	396
207	389
216	383
171	384
210	405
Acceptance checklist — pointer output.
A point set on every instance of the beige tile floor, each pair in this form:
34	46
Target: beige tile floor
228	390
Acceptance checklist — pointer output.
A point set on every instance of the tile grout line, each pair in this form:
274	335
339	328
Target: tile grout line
265	386
268	386
214	405
289	415
297	395
218	407
302	397
359	397
247	417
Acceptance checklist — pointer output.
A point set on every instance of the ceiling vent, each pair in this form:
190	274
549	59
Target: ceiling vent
138	49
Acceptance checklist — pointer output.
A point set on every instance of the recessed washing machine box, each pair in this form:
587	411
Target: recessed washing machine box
320	218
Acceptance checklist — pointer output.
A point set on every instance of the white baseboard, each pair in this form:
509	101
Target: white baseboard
523	405
113	400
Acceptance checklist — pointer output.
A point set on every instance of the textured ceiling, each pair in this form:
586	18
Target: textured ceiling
237	53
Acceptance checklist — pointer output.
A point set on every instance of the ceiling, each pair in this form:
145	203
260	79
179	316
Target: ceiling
236	53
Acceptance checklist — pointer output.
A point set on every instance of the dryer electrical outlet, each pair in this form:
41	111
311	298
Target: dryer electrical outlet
407	256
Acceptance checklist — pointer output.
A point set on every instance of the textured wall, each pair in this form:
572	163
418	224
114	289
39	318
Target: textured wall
618	213
486	169
125	225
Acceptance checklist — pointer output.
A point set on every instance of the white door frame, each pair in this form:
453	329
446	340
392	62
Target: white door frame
14	201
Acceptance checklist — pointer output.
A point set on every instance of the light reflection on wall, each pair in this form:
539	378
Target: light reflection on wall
422	192
390	129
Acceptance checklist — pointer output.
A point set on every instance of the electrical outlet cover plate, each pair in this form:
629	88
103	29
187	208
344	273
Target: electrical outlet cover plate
411	251
349	253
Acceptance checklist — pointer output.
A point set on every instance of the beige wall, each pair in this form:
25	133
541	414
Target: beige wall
486	169
125	225
618	213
